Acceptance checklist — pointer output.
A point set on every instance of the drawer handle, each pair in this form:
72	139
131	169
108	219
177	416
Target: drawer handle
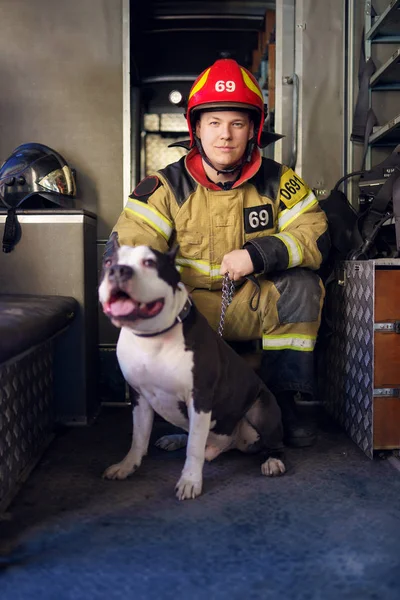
388	327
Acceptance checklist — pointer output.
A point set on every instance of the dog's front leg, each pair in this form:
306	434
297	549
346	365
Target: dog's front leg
143	416
191	480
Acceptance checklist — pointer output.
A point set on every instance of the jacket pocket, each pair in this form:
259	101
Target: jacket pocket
190	244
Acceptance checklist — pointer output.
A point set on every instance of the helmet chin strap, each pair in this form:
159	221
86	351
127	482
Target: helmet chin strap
245	158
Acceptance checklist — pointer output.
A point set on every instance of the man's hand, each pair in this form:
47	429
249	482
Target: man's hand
237	264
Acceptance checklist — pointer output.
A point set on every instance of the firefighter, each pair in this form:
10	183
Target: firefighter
232	211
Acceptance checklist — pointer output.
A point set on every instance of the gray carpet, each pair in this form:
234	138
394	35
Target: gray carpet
328	529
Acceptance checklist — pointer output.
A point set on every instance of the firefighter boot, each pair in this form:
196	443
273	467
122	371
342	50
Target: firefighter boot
299	431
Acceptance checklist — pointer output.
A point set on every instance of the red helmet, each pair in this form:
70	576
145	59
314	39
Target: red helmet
225	85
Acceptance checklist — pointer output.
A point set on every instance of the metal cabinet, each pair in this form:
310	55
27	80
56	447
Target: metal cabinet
361	372
57	255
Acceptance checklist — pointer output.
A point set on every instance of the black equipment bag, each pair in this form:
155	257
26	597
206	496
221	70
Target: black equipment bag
362	235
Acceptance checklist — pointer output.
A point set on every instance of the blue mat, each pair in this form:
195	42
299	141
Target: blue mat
328	529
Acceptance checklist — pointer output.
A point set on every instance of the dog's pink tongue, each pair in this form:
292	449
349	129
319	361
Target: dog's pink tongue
122	307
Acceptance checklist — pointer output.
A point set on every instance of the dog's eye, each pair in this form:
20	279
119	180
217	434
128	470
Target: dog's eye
108	262
149	262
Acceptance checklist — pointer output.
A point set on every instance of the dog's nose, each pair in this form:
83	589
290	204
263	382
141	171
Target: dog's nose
120	273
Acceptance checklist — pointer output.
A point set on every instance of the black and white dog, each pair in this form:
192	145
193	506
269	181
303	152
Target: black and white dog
180	368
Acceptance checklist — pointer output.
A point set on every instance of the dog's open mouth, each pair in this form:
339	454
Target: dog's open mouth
121	305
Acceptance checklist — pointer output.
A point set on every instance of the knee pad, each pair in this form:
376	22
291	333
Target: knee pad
300	295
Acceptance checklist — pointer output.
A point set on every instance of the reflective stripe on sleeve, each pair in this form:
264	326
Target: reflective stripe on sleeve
303	343
287	216
293	247
151	216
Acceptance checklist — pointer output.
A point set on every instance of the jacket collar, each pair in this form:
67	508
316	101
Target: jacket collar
194	165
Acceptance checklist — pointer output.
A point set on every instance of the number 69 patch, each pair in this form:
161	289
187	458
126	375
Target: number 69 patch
258	218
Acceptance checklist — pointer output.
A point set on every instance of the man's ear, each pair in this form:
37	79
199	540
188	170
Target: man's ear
197	128
173	252
251	130
111	249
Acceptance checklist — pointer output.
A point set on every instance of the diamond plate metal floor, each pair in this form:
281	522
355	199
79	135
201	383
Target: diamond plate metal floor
327	529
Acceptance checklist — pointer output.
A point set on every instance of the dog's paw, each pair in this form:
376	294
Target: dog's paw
272	467
119	471
172	442
188	488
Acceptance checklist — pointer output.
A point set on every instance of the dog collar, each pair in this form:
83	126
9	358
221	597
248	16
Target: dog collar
181	317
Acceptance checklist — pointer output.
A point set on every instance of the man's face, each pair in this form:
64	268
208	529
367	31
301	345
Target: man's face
224	136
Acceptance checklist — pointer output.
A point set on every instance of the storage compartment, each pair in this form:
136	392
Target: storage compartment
362	353
29	328
386	423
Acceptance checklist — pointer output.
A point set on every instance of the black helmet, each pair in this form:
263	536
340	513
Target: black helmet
35	170
38	177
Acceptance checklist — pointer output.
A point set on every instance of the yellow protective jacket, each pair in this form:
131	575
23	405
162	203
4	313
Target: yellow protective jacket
268	207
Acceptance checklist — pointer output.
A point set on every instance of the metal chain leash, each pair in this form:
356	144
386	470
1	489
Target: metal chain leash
228	289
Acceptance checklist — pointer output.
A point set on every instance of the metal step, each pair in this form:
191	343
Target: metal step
388	134
388	76
387	25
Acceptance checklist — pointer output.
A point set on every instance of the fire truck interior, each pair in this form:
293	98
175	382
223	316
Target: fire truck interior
329	527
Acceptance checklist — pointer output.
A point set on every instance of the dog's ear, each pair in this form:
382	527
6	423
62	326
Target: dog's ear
111	249
172	253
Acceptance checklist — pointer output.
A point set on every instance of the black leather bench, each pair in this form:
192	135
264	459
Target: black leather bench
28	327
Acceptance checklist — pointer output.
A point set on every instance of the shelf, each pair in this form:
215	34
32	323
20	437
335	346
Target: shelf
387	135
387	25
388	76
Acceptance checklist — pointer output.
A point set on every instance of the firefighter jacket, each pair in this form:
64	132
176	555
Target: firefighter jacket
269	207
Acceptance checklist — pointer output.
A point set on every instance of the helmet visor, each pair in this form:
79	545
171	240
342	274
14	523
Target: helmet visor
60	180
